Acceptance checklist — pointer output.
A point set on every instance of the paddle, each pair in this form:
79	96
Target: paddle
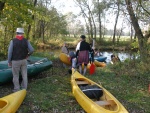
92	68
35	62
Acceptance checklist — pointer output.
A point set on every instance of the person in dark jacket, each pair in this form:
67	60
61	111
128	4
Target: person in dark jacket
82	53
91	54
18	52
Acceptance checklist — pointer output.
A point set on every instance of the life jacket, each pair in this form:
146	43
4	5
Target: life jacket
20	49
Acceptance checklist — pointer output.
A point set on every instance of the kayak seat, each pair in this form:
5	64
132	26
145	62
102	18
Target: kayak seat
81	82
105	102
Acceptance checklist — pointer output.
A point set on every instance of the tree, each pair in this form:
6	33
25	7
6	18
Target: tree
116	20
86	10
32	17
2	4
139	34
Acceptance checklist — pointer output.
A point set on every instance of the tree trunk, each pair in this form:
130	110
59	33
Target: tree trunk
100	23
116	21
91	27
94	26
139	34
29	27
131	33
43	31
119	35
2	4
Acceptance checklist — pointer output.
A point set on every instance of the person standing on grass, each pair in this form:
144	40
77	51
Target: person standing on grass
73	60
82	53
65	50
18	52
91	54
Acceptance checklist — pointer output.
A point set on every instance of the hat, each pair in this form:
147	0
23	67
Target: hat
20	30
82	36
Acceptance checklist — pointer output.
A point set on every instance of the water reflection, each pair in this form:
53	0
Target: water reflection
121	54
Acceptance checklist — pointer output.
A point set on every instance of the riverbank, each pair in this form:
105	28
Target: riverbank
104	44
101	48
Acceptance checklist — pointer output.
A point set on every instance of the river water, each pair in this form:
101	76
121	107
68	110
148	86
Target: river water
123	55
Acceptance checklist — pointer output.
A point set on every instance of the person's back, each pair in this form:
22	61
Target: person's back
64	49
83	48
18	51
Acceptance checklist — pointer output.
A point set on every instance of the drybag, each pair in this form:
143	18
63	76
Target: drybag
92	91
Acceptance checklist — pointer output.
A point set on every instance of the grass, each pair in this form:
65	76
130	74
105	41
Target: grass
50	91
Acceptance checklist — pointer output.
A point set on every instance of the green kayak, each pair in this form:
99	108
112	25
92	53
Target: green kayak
36	65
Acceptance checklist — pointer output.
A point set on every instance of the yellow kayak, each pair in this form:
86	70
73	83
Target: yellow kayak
106	103
64	58
11	103
99	64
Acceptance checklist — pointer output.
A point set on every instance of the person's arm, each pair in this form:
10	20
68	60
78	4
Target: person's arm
77	49
77	53
10	50
30	48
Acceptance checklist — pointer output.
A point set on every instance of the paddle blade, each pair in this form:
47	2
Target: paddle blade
92	69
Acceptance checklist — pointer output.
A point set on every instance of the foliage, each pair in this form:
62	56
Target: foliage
42	20
134	45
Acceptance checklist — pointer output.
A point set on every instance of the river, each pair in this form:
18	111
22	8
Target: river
123	55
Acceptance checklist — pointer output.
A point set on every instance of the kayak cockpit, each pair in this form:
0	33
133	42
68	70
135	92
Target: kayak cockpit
3	104
96	94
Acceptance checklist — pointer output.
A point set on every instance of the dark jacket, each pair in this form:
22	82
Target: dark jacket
20	49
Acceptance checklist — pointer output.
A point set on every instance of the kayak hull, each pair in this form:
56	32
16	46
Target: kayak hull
100	58
11	102
64	58
35	66
107	103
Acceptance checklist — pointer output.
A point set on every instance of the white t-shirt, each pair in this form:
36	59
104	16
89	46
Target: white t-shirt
78	46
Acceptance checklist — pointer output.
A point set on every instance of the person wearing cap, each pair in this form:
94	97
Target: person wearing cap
18	52
65	50
82	53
